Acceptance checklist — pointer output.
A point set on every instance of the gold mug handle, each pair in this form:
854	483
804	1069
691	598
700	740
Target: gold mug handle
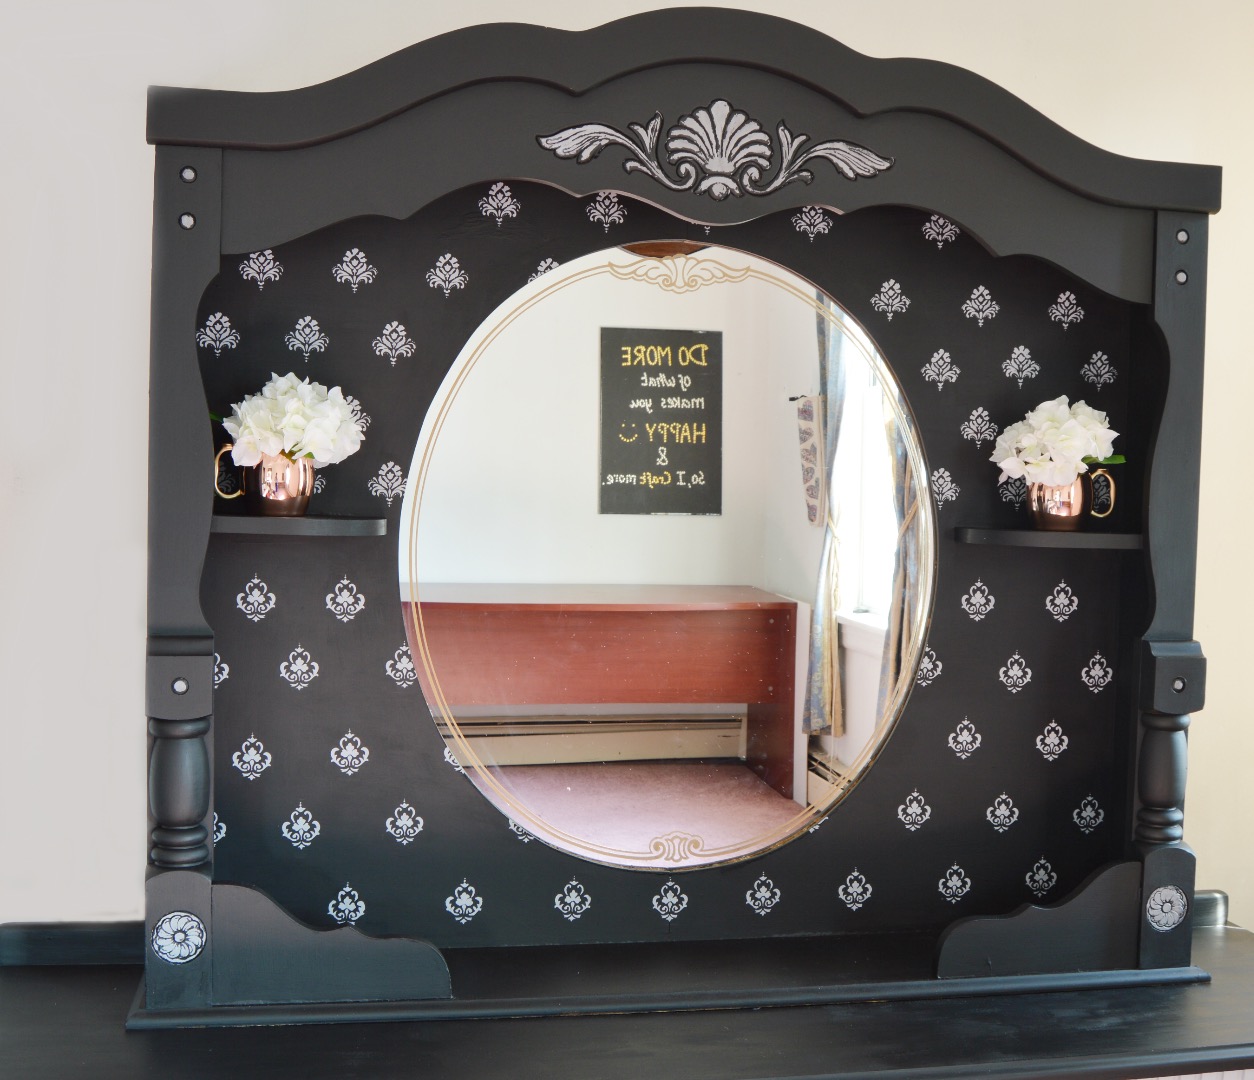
217	465
1111	481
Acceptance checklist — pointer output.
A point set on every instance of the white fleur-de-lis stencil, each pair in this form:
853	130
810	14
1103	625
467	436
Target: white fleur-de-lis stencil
1103	494
1020	365
544	267
763	896
977	601
964	740
347	907
1013	491
217	334
670	901
354	269
306	337
394	341
400	669
178	937
252	758
221	670
404	824
300	829
1166	908
350	755
299	669
812	221
518	830
320	483
447	274
605	210
360	417
465	903
572	901
955	884
499	203
978	427
1098	370
219	829
1041	878
1066	310
1088	815
856	890
980	306
941	369
388	483
1003	813
817	825
1016	674
1097	673
890	301
940	229
261	266
914	812
929	667
1052	742
345	601
1062	602
256	601
451	760
944	489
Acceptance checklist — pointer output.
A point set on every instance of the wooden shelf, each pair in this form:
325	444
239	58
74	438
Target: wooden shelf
1034	538
244	525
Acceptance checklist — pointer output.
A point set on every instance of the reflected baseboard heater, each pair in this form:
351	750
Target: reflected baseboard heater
564	739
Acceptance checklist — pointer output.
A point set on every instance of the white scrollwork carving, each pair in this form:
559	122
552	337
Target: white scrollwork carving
717	151
178	937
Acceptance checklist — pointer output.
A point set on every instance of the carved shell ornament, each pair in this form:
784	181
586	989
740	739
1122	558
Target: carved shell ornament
718	151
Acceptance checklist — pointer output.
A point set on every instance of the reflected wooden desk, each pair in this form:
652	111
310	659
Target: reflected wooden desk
512	645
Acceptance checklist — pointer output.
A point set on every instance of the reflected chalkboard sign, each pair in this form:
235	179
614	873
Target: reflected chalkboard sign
661	421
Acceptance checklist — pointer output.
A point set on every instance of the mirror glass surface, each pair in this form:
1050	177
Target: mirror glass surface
667	554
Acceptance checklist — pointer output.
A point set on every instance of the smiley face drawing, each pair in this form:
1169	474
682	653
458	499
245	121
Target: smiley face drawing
624	427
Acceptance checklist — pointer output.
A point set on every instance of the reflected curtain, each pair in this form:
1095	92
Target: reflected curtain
823	710
899	640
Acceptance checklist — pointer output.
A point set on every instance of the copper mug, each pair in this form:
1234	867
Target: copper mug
277	486
1064	507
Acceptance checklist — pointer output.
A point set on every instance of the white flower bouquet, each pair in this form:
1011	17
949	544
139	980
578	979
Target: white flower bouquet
296	418
1055	443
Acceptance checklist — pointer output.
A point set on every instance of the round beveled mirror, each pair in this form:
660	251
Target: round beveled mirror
667	556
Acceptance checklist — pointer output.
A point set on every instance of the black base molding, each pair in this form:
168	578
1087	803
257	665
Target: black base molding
38	944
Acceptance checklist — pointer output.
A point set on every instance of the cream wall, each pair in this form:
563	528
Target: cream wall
1148	78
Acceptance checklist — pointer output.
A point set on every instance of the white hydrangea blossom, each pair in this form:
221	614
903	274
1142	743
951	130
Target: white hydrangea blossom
295	417
1050	444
